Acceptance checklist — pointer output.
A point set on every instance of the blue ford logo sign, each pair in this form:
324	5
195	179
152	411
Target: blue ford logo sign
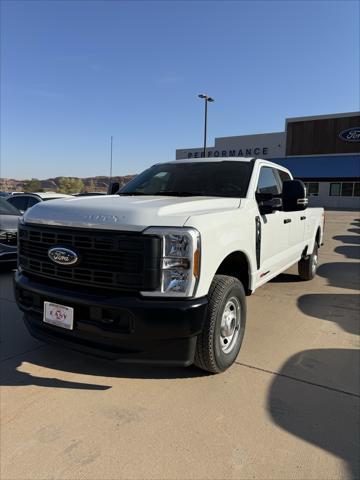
350	134
62	256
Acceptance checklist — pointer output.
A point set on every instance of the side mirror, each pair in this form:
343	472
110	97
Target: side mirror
268	203
294	196
114	187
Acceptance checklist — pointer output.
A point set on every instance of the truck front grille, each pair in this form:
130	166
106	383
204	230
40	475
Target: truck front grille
121	260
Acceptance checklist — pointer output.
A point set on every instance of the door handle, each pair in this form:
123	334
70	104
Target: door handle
302	218
287	220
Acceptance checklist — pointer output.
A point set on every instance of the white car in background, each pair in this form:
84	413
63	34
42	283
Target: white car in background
23	201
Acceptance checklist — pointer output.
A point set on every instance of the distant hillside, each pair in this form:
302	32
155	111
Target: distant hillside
90	184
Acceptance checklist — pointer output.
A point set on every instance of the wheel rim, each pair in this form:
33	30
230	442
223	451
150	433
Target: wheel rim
230	325
314	263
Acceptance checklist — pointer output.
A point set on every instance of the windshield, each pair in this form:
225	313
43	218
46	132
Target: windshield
210	179
7	209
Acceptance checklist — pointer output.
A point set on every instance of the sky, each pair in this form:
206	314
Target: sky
73	73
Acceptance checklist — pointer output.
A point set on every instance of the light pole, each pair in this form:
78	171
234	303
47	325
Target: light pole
111	158
207	99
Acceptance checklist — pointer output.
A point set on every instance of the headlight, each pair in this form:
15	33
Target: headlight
180	261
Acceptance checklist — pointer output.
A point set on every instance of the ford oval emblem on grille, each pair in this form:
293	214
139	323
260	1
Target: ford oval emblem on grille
63	256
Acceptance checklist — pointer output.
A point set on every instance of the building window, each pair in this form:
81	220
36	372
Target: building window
312	189
335	189
346	189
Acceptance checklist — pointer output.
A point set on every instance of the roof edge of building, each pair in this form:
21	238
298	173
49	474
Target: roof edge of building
320	117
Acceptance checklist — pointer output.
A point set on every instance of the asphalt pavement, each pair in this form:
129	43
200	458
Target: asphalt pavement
288	409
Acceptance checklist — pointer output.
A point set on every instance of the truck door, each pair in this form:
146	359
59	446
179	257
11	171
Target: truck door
274	229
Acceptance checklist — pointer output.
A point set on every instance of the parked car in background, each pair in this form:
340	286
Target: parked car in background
24	201
4	194
9	217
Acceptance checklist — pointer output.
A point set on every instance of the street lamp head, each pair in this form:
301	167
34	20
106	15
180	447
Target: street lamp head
205	97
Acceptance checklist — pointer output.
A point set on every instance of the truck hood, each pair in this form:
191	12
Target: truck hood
134	213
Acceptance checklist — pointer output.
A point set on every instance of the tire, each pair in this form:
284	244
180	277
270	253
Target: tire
219	343
307	266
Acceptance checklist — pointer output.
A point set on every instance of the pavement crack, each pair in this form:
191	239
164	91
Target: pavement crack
308	382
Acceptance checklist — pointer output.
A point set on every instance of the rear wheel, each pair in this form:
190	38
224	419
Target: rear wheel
219	343
307	266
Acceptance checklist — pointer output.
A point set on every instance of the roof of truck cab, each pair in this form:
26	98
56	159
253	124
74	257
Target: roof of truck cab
228	159
52	195
213	159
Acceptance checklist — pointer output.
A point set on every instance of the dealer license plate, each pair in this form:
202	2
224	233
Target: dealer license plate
59	315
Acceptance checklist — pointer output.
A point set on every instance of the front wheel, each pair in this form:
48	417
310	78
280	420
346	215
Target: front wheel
307	266
219	343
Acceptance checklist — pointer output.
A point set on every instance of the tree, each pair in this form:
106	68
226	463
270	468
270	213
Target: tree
33	185
70	185
91	187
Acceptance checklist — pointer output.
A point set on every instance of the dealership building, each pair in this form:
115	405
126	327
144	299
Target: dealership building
323	151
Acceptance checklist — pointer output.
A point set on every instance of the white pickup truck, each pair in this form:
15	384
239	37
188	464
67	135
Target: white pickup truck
159	271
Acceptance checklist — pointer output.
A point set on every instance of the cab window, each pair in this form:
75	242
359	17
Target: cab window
283	175
268	182
32	201
20	202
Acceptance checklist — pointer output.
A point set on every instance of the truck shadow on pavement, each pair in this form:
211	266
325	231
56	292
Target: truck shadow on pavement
322	415
14	377
351	249
352	239
315	395
341	274
286	278
342	309
24	355
69	363
348	251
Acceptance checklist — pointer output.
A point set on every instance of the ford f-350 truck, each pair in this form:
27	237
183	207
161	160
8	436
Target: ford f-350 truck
159	271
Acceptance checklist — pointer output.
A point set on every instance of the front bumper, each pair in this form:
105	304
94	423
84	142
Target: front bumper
125	328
